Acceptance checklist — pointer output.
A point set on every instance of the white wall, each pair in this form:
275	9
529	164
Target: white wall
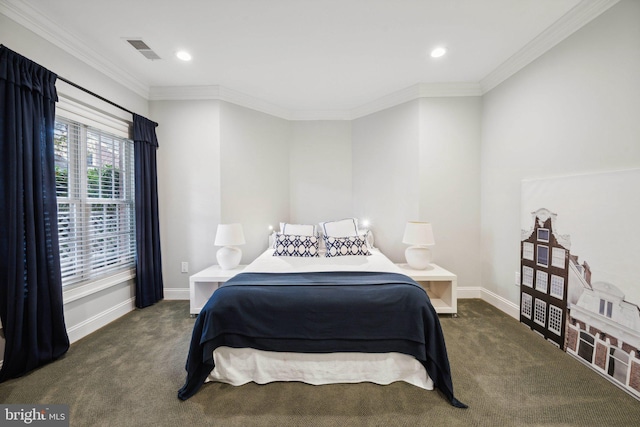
574	110
254	170
449	182
320	171
85	312
386	173
188	187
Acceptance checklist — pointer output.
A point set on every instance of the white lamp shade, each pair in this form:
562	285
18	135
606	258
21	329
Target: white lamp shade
229	235
419	234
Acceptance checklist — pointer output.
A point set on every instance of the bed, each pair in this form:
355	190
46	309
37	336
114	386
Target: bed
319	320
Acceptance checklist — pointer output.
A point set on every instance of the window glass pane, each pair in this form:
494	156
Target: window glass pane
585	346
95	202
555	320
527	276
539	315
557	286
541	281
61	154
543	256
558	257
543	234
526	305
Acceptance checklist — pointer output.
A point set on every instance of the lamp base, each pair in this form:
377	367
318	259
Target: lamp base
228	257
418	257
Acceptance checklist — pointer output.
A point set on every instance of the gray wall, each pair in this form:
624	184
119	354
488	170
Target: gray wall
254	162
386	173
449	182
320	172
189	185
574	110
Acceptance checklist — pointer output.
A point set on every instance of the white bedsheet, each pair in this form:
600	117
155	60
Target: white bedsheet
238	366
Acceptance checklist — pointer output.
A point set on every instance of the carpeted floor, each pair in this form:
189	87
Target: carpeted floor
128	373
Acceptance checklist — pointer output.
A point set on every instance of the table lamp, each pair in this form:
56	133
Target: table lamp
419	235
229	236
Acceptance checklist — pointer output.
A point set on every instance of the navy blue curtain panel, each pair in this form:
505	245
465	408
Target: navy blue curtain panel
149	286
30	283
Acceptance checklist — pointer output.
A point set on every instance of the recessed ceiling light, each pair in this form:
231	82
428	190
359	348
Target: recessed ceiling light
438	52
184	55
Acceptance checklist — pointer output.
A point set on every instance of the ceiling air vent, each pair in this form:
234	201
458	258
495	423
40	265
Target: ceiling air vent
143	48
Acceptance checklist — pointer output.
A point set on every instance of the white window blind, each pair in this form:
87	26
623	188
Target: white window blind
96	216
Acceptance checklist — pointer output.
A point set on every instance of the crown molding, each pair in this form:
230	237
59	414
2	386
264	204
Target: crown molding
217	92
221	93
416	91
30	18
583	13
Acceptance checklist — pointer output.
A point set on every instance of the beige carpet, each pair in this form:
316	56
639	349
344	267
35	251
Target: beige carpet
128	374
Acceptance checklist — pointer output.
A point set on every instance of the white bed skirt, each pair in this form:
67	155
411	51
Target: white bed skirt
237	366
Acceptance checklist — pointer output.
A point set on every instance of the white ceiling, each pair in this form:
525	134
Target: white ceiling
306	55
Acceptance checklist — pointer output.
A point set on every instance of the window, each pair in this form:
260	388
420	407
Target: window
526	305
527	250
557	257
606	308
94	186
542	279
557	286
585	346
543	234
618	364
539	315
543	256
555	320
527	276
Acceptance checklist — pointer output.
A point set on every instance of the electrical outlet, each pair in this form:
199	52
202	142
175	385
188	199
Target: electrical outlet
185	267
517	278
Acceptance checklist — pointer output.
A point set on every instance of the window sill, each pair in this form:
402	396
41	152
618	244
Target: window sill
76	292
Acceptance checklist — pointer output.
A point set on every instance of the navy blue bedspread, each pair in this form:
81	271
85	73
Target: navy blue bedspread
320	313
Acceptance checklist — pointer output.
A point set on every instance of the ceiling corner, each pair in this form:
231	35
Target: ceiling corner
30	18
569	23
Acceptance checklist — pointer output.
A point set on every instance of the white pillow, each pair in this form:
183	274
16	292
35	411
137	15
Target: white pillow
343	228
343	246
298	229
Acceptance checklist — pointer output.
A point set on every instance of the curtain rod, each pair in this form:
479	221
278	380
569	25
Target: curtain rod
95	94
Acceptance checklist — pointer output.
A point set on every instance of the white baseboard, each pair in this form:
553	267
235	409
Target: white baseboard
176	293
501	303
469	292
492	298
96	322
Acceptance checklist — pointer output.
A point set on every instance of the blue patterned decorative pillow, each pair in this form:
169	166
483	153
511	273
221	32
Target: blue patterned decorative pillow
343	246
295	245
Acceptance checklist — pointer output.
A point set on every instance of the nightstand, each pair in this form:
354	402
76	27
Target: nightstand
204	283
441	286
